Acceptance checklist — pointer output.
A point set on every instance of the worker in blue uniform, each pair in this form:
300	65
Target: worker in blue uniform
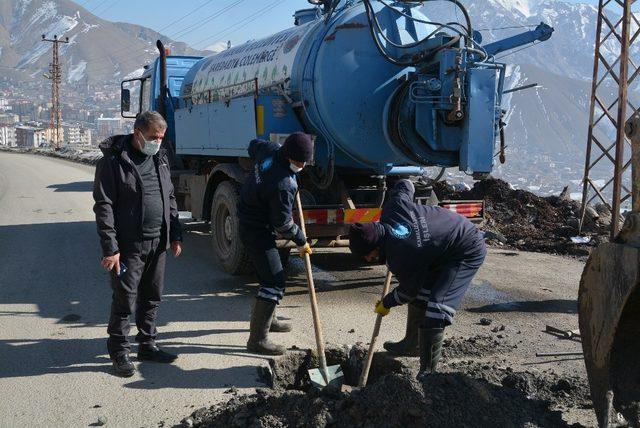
434	254
265	212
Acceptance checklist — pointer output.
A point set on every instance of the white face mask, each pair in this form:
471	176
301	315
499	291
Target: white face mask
296	169
151	147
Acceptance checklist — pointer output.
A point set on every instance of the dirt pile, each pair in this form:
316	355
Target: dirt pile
525	221
464	394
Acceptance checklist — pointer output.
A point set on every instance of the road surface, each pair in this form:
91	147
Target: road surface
54	304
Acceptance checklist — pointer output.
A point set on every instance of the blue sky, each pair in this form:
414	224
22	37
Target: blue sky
217	20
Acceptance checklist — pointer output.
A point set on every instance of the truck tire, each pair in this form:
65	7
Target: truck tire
228	250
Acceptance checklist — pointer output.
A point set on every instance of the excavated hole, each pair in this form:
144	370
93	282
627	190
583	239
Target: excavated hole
290	372
466	393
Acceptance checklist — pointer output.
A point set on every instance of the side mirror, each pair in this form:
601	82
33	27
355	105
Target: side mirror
125	100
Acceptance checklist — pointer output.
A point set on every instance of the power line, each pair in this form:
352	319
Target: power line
184	16
209	18
248	20
98	6
195	26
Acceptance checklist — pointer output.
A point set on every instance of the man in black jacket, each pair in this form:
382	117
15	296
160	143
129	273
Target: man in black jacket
434	253
265	211
137	219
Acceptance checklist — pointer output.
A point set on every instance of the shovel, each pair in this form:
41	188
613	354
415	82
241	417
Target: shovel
323	376
376	330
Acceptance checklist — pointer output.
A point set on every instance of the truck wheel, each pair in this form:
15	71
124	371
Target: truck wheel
225	237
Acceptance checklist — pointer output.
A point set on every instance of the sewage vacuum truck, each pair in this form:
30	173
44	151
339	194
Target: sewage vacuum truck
384	91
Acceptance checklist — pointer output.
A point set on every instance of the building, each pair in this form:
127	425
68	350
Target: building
35	134
9	119
7	136
108	126
76	135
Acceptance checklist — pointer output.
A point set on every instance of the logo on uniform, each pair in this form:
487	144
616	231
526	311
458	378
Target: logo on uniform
266	164
401	231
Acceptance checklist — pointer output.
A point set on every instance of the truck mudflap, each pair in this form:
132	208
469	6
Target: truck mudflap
325	223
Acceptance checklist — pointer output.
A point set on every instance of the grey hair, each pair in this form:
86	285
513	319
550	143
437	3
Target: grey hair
148	119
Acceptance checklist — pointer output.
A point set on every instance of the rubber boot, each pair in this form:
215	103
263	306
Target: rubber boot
409	345
279	326
263	312
430	350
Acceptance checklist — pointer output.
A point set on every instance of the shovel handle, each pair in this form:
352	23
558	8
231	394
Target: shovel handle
374	337
317	326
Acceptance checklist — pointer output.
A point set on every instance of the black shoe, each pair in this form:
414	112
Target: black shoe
123	366
153	353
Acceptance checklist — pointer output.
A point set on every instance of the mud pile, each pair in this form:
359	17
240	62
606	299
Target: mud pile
525	221
464	394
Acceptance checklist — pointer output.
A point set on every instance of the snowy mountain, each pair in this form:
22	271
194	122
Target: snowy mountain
98	50
547	125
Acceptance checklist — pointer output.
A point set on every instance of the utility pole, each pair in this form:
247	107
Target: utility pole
55	75
608	148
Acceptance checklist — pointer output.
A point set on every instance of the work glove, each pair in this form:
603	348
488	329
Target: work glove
380	309
305	249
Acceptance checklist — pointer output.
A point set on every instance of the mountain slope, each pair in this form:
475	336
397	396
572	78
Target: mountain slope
98	50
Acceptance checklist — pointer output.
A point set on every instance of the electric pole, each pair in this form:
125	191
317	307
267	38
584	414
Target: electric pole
55	75
608	148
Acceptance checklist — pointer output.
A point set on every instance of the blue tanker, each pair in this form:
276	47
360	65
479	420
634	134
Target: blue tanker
382	89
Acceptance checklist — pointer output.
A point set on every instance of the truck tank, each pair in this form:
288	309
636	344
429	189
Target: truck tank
380	87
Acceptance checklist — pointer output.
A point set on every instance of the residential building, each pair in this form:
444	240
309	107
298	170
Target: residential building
9	119
76	135
108	126
7	136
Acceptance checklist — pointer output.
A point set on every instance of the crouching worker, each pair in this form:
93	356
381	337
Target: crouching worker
265	209
434	254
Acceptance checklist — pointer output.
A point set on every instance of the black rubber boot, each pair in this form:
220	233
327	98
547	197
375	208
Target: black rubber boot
263	312
279	326
409	345
430	350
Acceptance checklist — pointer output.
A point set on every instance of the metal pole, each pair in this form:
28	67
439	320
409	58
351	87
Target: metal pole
622	118
594	88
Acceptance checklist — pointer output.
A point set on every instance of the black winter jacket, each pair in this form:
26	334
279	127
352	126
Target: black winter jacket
118	194
419	239
268	194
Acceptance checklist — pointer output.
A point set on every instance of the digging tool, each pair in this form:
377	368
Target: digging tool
325	375
567	334
609	309
376	330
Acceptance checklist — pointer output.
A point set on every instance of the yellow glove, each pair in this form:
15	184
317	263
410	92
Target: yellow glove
380	309
305	249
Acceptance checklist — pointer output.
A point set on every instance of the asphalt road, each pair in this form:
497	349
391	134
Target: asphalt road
54	303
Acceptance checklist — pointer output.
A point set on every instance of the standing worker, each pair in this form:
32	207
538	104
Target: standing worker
137	219
434	253
265	209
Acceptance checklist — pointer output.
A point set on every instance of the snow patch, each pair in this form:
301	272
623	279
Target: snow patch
58	27
76	72
134	74
88	27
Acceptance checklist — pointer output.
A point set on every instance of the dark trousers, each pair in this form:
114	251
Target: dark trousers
261	248
443	294
138	289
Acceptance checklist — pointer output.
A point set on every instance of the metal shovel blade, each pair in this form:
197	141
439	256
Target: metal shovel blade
334	376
